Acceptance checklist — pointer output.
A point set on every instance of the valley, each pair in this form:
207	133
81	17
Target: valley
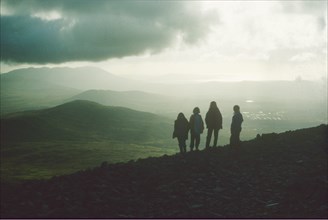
60	120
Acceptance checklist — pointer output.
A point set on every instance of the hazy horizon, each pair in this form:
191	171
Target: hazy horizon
167	78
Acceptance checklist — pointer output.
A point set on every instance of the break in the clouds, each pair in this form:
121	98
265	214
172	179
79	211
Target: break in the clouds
47	31
224	40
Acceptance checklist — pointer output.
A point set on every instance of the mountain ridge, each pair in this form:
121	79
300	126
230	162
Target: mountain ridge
273	176
37	88
135	99
83	119
78	78
53	86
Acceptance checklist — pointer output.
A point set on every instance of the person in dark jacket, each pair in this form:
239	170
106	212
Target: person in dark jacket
237	120
196	124
181	129
213	121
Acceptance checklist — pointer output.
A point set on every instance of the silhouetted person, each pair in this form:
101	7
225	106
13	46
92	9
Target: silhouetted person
181	128
213	121
196	128
235	129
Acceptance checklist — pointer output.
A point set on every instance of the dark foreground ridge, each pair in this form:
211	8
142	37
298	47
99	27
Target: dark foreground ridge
274	176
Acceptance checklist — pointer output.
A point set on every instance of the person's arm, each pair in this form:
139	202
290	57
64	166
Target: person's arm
175	130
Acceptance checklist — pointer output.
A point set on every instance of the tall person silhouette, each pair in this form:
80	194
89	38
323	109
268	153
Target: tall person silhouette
213	121
196	128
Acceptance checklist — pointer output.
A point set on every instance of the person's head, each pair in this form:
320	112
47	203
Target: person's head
236	108
196	110
213	105
181	116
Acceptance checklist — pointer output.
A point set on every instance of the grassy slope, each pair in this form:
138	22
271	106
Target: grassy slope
25	94
274	176
84	120
78	135
42	160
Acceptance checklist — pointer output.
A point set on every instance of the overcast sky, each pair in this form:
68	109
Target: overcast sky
169	40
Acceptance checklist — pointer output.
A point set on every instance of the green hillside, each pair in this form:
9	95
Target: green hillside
26	94
84	120
78	135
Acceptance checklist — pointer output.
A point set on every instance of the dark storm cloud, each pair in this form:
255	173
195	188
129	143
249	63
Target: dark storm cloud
95	30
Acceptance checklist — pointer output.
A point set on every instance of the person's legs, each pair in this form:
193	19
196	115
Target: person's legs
238	138
216	135
197	138
232	139
181	140
192	140
184	145
208	137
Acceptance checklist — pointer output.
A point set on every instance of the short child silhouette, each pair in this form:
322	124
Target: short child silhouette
181	128
237	120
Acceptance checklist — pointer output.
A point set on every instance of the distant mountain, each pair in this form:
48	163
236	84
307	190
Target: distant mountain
84	120
91	78
82	78
274	176
138	100
36	88
30	95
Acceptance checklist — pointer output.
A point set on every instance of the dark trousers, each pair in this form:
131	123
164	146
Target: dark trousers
194	141
235	138
182	144
209	136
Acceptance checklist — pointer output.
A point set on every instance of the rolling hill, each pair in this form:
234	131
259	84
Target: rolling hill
78	135
84	120
37	88
273	176
138	100
29	94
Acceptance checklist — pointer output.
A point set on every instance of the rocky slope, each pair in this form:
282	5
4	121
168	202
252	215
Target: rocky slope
273	176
